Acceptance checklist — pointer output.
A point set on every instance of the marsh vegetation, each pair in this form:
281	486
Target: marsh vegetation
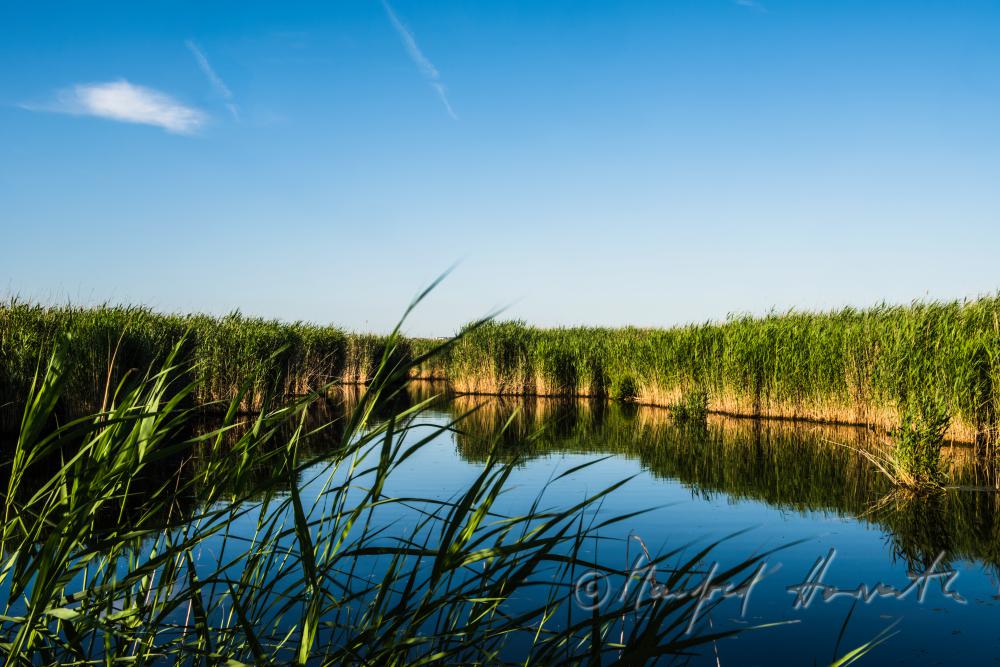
222	489
849	366
142	534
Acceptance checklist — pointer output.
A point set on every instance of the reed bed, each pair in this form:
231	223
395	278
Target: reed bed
225	357
101	564
852	366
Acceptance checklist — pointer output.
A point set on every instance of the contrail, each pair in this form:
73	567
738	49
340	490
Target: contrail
417	56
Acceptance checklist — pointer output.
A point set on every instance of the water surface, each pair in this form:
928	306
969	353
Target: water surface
746	487
756	486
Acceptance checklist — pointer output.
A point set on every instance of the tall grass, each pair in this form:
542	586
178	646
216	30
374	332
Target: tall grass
107	345
691	408
915	459
849	366
100	561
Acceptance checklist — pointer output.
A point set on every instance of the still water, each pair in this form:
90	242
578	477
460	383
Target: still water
754	486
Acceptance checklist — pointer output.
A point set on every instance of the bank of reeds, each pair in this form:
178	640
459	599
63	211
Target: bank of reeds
309	563
224	357
856	366
852	366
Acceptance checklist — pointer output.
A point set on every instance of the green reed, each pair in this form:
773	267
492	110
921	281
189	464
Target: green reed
110	344
851	365
691	408
119	541
915	459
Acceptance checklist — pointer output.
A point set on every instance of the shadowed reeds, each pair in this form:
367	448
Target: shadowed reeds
222	357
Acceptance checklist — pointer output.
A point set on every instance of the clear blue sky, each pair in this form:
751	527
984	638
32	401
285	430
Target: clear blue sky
588	162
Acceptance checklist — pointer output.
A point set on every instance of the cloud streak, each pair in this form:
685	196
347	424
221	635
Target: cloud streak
214	79
127	103
751	4
425	66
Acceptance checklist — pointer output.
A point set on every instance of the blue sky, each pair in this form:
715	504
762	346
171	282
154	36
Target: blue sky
587	162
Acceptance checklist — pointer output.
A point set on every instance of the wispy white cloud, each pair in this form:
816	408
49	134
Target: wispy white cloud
425	66
751	4
127	103
443	94
214	79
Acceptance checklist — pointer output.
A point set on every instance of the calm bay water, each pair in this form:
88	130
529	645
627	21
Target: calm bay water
743	487
756	486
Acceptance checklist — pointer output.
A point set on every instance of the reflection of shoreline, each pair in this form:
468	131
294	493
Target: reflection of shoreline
725	403
958	456
789	465
785	465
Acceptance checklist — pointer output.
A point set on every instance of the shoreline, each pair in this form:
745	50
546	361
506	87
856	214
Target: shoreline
959	434
857	367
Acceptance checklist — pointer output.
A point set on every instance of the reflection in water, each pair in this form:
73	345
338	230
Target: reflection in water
804	468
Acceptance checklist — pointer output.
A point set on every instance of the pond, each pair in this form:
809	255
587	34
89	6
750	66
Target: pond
843	559
753	486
